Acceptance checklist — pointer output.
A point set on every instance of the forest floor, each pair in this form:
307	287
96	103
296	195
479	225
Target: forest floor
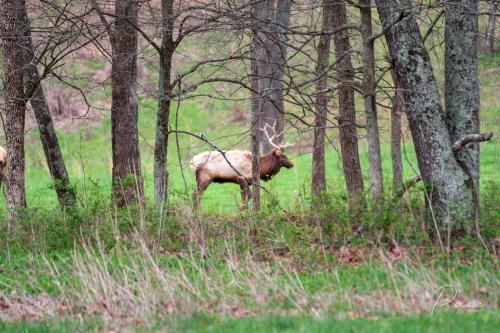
228	270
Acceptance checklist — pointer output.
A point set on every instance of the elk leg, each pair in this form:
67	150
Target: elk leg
244	192
201	185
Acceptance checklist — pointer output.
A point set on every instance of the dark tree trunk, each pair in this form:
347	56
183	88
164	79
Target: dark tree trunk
347	122
48	137
165	92
461	83
450	198
127	178
12	32
372	133
396	112
318	182
490	31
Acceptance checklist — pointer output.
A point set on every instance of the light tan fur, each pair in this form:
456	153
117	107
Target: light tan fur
3	155
3	163
216	166
234	166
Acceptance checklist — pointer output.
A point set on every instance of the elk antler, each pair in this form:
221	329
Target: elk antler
283	145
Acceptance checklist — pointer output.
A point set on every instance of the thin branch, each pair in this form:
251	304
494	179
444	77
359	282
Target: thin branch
433	24
402	15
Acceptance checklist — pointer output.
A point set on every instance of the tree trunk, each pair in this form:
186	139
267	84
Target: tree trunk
318	182
256	135
490	31
372	133
127	178
461	83
396	111
267	71
12	32
48	136
347	122
165	92
279	53
450	199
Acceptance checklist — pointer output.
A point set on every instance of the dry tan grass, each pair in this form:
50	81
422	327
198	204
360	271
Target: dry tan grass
133	284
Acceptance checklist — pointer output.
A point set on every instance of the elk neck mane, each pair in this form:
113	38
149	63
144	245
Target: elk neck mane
269	166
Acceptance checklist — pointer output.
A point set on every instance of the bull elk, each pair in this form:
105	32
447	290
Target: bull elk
235	166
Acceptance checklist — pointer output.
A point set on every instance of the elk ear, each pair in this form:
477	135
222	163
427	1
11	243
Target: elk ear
278	152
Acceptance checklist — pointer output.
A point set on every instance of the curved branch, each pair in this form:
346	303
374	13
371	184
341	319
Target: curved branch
471	138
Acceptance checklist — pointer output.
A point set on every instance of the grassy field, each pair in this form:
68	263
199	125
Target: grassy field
231	271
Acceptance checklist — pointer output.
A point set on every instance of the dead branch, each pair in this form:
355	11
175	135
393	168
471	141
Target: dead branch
471	138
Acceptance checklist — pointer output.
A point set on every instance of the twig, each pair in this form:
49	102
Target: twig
433	24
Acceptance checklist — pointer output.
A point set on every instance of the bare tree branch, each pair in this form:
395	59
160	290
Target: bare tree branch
471	138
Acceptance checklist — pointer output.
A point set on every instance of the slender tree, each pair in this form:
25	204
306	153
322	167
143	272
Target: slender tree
261	71
396	112
372	133
492	23
279	60
318	182
12	31
166	51
48	137
266	51
127	177
347	121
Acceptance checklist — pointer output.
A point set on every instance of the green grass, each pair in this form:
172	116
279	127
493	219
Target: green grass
232	290
482	321
449	322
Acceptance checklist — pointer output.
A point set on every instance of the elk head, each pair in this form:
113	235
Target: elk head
278	152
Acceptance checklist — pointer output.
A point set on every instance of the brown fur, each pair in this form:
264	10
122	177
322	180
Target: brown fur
270	165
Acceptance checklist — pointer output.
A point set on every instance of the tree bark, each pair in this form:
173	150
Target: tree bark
396	112
48	136
267	71
12	32
461	82
279	53
256	135
165	92
372	133
490	31
127	177
347	129
450	198
318	181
